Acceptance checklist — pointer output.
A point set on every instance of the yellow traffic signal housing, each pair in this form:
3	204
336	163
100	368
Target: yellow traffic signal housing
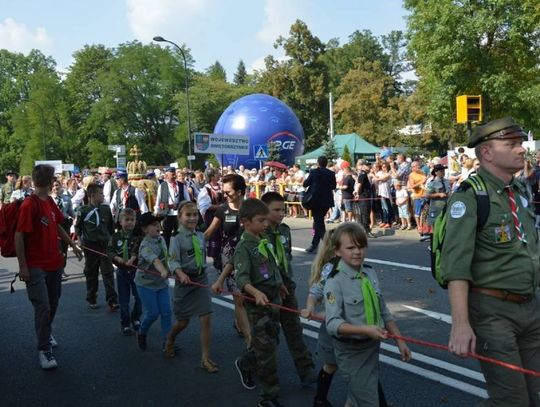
469	108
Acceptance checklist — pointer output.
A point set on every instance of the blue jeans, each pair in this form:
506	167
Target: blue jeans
157	303
386	206
125	287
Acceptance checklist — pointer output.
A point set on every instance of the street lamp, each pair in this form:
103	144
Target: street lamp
186	84
42	114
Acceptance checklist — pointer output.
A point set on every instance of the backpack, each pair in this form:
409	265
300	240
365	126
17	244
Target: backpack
439	228
9	217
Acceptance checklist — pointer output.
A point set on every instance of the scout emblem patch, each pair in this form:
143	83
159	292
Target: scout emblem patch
457	210
330	298
502	234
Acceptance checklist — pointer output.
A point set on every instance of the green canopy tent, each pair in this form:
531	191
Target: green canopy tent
358	147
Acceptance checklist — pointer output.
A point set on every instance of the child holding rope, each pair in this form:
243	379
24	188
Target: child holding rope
187	260
357	317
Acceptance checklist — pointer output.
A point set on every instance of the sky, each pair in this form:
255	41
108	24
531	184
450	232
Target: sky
214	30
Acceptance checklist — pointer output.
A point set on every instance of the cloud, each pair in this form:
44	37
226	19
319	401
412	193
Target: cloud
148	18
258	64
279	16
17	37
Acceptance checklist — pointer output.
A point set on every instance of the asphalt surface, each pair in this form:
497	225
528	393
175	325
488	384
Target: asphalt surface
99	366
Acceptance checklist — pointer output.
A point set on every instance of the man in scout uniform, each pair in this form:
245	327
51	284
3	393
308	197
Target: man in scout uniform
8	188
492	273
279	236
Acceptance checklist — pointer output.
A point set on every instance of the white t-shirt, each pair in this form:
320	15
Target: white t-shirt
401	196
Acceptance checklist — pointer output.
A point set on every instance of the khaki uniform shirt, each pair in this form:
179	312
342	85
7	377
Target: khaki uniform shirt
182	254
5	192
150	250
253	268
283	232
494	257
344	302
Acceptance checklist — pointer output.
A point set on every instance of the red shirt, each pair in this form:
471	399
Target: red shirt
38	220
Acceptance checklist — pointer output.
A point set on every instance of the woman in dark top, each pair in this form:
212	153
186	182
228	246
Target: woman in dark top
347	193
227	218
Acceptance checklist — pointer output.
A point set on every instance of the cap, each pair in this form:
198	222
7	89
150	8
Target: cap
170	169
11	172
496	129
437	167
150	174
148	218
121	174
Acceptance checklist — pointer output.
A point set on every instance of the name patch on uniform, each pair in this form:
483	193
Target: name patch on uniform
230	218
457	210
330	298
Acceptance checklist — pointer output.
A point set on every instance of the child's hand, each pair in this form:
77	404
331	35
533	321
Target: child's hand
261	299
305	313
183	277
375	332
131	261
283	292
164	274
217	287
404	350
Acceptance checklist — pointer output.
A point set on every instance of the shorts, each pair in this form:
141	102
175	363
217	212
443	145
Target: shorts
418	204
404	211
348	204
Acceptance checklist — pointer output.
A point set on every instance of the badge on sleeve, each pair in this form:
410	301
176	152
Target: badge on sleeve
457	210
330	298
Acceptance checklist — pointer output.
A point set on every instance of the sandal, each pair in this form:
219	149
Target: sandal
209	366
169	349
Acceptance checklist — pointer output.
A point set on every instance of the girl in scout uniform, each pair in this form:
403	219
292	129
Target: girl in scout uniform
187	260
320	270
357	317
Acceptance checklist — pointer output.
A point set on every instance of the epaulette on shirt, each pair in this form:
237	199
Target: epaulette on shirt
334	262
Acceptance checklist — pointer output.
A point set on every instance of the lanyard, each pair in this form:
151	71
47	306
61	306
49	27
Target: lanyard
198	252
371	300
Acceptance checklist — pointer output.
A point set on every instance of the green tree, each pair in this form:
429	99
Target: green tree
216	72
273	152
300	81
346	156
487	47
240	76
330	150
366	104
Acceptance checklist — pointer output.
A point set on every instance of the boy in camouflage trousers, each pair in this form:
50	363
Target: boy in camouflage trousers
279	236
257	274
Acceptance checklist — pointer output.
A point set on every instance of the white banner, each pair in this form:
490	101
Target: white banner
207	143
57	164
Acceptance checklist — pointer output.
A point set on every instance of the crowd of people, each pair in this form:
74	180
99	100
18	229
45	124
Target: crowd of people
139	238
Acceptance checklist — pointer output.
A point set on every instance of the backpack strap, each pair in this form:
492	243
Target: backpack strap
482	198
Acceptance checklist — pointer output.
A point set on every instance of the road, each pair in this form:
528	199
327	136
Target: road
99	366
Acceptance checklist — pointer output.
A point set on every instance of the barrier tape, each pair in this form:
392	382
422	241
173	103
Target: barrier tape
407	339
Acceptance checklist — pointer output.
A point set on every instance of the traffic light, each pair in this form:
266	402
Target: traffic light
469	108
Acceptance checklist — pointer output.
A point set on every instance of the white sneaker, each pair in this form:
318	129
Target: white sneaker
53	342
47	360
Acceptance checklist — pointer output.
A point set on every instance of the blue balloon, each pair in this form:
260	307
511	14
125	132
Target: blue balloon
264	119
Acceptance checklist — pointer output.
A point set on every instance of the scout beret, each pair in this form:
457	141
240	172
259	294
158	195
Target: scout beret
496	129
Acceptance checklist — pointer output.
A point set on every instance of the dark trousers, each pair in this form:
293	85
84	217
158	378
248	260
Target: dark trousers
44	289
94	263
170	227
292	329
126	287
364	209
319	227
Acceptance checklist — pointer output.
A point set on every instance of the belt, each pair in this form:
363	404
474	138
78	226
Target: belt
354	341
503	295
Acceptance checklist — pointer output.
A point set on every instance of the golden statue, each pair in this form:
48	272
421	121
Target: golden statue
137	177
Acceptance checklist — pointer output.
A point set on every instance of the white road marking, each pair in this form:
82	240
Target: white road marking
386	263
457	384
435	315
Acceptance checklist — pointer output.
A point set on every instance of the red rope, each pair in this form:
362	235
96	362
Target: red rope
392	336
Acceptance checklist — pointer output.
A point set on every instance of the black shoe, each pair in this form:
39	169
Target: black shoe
245	376
141	341
113	306
311	249
369	234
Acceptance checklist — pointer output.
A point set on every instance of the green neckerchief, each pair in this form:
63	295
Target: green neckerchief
198	252
164	250
371	300
264	249
125	245
281	257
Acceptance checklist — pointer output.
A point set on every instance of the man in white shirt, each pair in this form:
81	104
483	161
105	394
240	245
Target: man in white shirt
126	196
